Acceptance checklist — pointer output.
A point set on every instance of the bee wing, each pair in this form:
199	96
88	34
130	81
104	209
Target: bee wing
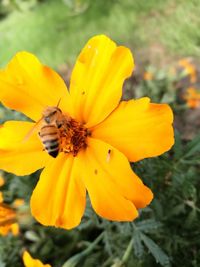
35	127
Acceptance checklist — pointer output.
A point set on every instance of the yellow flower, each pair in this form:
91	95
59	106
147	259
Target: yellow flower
30	262
8	215
1	197
10	228
2	181
192	97
18	202
189	68
7	219
96	135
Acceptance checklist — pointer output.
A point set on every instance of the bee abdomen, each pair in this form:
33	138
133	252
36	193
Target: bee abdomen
52	146
51	140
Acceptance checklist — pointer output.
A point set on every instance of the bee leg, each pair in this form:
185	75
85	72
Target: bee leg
59	124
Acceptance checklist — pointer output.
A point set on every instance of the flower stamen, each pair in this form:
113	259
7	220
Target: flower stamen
61	133
73	137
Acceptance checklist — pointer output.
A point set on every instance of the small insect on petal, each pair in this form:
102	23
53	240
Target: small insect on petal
108	155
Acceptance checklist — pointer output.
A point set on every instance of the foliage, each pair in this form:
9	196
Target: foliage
55	30
6	7
77	6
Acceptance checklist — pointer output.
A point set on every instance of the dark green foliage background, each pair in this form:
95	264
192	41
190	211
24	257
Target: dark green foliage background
167	232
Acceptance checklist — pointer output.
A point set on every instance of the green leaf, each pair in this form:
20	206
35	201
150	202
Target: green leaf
176	210
192	147
148	225
137	244
177	148
2	264
32	236
191	218
155	250
158	208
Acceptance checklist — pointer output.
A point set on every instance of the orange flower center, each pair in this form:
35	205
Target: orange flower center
73	137
61	133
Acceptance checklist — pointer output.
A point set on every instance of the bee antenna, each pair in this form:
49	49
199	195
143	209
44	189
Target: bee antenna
58	103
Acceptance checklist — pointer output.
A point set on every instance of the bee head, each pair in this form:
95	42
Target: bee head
50	114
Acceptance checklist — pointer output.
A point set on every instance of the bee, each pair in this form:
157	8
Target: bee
53	120
50	125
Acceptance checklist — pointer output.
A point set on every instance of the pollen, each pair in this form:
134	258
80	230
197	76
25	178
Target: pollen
73	137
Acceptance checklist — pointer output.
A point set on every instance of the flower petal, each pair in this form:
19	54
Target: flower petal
97	79
1	197
28	86
31	262
139	129
15	229
115	191
59	197
17	155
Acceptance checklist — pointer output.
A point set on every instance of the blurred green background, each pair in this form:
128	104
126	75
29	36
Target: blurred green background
159	33
56	30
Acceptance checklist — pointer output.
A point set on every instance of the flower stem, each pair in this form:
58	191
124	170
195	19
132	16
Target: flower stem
73	261
127	252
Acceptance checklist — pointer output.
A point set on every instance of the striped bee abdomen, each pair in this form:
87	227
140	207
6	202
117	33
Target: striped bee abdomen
50	138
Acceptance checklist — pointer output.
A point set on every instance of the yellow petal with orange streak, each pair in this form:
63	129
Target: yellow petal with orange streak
114	189
29	87
59	197
97	79
18	155
138	128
